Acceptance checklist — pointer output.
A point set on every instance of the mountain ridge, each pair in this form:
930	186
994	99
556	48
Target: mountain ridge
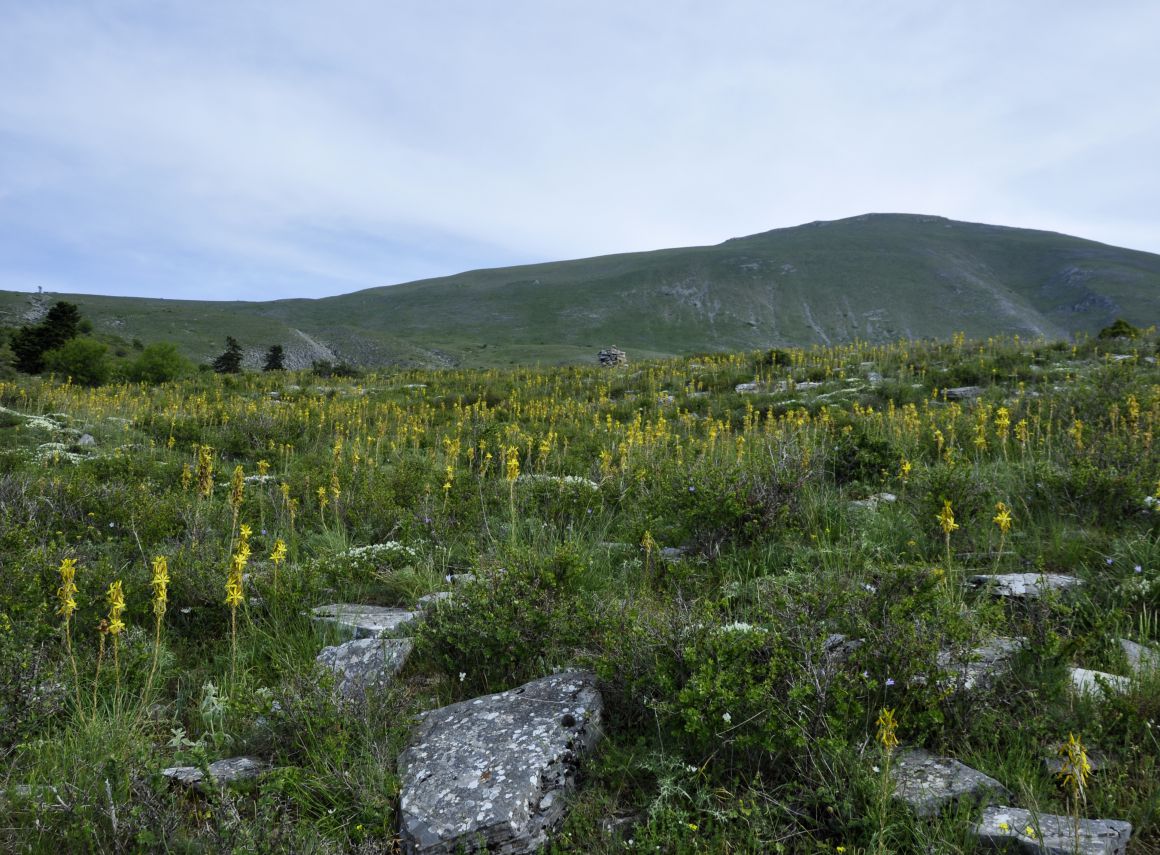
875	277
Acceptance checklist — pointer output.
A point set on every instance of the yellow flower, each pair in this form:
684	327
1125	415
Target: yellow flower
1030	832
887	729
279	553
946	518
66	593
1003	826
160	585
512	471
1076	769
237	488
116	600
1003	517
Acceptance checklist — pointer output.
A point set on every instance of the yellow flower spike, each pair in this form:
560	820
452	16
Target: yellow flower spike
116	600
66	593
1003	517
160	585
887	730
946	518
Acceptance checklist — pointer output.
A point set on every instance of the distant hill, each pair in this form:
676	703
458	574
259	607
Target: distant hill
878	277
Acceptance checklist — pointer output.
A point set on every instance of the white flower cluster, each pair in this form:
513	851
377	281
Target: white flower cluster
741	627
380	556
562	480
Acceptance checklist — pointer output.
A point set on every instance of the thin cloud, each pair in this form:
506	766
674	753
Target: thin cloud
219	149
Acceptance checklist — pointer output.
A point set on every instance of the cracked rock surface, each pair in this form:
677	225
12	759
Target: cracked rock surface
360	621
1023	586
1006	828
979	667
492	772
365	663
1141	659
928	783
1087	682
222	771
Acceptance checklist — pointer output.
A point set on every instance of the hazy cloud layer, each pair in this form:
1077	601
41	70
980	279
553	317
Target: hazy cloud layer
245	150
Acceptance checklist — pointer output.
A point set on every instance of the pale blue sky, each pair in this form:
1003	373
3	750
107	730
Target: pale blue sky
246	150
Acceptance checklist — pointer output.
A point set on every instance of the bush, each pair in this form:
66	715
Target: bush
85	360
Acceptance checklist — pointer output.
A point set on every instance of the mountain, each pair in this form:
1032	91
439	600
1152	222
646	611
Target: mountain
877	277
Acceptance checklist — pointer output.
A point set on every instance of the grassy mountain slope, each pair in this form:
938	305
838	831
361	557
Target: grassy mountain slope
876	277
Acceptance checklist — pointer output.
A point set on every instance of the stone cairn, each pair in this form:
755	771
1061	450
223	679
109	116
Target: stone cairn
612	356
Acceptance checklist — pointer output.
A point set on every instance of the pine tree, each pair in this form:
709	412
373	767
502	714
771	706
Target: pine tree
229	362
29	344
274	358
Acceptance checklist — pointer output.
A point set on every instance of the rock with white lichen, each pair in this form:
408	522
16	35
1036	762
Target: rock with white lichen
365	663
930	784
492	773
361	621
1016	830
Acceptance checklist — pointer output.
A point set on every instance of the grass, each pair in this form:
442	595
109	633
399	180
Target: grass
728	727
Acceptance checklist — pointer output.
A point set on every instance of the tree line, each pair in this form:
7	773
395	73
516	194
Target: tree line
62	344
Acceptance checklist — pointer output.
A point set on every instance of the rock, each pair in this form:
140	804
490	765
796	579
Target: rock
1006	828
963	393
874	377
428	601
611	356
223	772
838	647
492	772
873	501
365	663
620	827
359	621
86	439
981	665
1141	659
1087	682
747	388
673	553
1023	586
929	784
459	578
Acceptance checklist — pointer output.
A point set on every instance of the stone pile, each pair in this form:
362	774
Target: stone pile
611	356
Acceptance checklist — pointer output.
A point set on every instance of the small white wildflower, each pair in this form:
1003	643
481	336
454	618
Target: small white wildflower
462	676
725	717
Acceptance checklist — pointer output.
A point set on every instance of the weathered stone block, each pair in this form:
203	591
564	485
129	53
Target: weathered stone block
222	772
929	784
360	621
1014	829
492	772
1023	586
365	663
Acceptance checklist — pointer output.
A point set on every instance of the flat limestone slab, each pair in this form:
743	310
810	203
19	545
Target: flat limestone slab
361	621
979	667
223	772
364	663
1141	660
492	772
1087	682
1023	586
928	783
1006	828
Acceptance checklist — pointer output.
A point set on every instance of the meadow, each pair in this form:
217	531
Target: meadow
696	531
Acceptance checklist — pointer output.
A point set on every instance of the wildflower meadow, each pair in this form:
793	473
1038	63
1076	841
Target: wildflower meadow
771	561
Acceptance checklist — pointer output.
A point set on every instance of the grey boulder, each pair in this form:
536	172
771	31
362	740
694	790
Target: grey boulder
365	663
1014	829
493	772
222	772
361	621
929	784
1023	586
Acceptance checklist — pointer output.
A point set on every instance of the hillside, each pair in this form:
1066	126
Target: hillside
878	277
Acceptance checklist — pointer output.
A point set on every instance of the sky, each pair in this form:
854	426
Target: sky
262	150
